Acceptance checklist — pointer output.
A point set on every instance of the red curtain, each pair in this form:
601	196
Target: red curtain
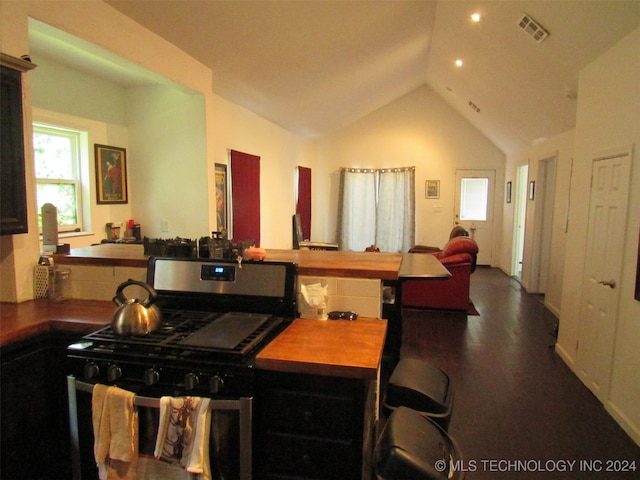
303	207
245	196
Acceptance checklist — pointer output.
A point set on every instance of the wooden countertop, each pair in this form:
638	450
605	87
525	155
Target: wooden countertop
338	348
341	348
417	266
327	263
324	263
21	320
106	254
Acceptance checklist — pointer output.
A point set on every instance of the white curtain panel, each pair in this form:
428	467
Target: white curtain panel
357	225
395	230
387	221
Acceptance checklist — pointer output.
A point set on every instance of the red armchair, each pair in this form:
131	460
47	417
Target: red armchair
459	257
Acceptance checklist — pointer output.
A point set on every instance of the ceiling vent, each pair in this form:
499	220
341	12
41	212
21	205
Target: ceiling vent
533	28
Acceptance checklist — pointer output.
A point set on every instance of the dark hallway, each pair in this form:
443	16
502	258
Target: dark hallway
519	411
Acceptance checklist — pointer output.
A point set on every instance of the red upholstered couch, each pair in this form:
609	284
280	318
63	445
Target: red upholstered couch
459	257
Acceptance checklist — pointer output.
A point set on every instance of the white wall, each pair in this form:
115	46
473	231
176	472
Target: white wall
168	162
100	24
219	127
608	117
101	133
419	130
562	146
280	152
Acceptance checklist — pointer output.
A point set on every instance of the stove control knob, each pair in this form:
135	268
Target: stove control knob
90	370
151	376
191	381
216	383
113	372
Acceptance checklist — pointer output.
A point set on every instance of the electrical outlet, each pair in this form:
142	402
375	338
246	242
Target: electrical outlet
164	225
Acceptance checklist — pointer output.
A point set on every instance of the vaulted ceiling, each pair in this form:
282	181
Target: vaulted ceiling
315	66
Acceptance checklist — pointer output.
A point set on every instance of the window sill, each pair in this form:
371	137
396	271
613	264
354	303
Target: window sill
72	234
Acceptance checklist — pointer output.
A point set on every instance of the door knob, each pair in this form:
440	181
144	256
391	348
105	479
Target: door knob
611	283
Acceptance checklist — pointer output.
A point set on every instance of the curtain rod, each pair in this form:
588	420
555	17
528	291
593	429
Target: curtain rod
374	170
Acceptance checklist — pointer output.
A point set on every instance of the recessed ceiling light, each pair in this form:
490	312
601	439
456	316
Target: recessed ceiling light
476	17
459	62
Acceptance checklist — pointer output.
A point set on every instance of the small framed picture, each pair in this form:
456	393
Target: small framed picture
432	189
532	190
508	194
221	197
111	174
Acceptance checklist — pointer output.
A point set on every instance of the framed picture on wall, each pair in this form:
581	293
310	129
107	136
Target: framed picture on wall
111	174
432	189
508	194
221	198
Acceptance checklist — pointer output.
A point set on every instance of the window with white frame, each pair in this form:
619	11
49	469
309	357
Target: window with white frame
57	154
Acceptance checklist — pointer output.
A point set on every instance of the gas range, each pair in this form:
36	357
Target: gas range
216	316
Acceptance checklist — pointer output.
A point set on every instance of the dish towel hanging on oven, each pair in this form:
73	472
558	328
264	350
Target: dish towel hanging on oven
183	434
115	429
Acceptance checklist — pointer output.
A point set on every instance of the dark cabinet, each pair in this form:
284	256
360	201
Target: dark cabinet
309	427
13	196
34	409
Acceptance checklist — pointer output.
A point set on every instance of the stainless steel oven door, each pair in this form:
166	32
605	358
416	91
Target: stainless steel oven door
230	442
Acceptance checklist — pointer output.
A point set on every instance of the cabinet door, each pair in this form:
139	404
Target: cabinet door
13	199
34	409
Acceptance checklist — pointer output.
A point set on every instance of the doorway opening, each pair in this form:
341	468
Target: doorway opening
543	224
519	217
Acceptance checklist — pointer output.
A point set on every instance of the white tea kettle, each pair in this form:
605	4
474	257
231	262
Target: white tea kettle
134	317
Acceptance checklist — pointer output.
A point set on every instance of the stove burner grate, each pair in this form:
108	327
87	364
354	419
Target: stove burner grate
185	333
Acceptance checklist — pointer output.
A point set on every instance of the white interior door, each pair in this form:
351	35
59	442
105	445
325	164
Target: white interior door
474	201
603	265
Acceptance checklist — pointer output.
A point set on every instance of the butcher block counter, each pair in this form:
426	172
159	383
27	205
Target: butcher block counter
384	266
317	399
334	348
22	320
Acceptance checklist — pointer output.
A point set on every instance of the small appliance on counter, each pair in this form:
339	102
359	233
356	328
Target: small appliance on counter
113	230
50	281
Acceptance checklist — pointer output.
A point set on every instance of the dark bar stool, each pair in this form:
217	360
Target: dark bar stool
418	385
411	446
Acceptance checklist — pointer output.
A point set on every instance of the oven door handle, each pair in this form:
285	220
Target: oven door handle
244	405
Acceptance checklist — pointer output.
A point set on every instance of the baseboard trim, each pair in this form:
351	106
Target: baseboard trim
624	421
566	358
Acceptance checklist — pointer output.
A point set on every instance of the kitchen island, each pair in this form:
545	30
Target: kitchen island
317	399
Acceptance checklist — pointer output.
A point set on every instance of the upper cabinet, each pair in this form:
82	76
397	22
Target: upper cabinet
13	196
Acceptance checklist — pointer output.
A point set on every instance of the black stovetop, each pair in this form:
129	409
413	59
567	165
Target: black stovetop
216	317
186	336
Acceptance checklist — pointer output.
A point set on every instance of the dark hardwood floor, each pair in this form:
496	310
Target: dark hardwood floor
517	405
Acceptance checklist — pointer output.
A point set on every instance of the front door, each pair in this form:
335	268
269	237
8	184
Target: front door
474	208
603	265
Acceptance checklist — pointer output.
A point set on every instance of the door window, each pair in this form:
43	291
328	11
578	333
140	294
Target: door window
474	194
